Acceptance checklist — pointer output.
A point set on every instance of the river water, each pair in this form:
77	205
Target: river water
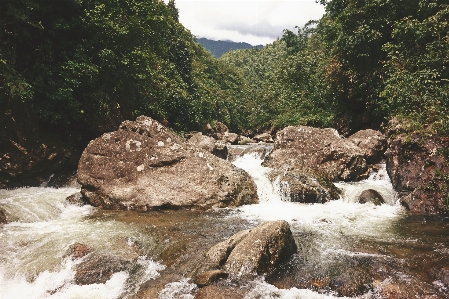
345	249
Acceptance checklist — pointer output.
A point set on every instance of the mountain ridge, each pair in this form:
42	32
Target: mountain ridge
218	48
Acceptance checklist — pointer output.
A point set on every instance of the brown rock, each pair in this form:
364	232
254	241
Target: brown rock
78	250
418	167
264	137
209	277
371	195
255	251
3	219
98	269
214	292
144	165
372	142
242	140
300	187
320	152
201	141
219	253
76	199
216	130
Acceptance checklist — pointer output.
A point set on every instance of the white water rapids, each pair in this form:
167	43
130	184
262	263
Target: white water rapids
42	226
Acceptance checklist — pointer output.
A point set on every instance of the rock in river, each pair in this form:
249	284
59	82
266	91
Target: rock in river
144	165
259	250
321	152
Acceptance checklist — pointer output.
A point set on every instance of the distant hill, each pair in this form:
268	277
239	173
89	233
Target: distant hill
218	48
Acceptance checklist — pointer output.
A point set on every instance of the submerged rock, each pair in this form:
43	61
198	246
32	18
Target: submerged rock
256	251
371	195
3	219
98	269
76	199
209	277
144	165
78	250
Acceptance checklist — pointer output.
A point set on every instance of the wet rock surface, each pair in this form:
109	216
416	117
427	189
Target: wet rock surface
144	165
209	277
3	219
306	160
215	292
76	199
98	269
300	187
372	196
78	250
418	167
256	251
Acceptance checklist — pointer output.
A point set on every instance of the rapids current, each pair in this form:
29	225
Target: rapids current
344	248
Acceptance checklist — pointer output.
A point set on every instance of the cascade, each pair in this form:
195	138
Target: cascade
340	243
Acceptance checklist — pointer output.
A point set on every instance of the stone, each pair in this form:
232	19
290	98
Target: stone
296	186
143	165
372	196
98	269
372	142
256	251
418	167
322	153
78	250
243	140
200	141
3	219
209	277
216	130
265	247
264	137
215	292
219	253
76	199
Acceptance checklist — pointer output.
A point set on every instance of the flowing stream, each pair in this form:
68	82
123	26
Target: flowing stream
345	249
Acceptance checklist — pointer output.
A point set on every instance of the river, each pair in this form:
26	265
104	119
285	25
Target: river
345	249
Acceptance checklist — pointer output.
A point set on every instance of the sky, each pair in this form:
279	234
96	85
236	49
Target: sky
253	21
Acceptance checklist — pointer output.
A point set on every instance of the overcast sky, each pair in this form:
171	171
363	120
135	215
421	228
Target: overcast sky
252	21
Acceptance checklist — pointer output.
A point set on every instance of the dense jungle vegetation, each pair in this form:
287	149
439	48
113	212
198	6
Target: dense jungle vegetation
87	65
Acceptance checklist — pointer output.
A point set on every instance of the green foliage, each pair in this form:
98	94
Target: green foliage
417	69
90	64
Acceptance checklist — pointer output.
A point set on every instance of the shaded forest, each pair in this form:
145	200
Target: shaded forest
84	66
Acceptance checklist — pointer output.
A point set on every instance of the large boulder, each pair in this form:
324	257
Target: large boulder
256	251
322	152
372	142
144	165
417	164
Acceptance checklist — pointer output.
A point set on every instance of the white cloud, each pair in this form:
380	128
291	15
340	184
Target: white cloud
251	21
